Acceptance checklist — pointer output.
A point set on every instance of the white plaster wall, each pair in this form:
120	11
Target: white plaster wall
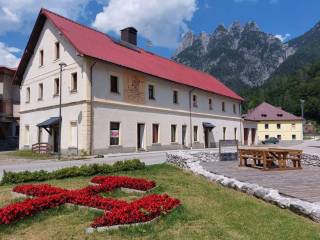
46	74
129	117
69	114
163	93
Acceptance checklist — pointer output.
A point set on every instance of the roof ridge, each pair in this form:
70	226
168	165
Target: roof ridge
80	24
146	51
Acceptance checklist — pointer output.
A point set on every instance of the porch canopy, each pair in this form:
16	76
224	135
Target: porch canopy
49	123
208	125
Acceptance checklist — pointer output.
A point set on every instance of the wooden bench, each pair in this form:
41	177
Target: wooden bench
44	148
270	158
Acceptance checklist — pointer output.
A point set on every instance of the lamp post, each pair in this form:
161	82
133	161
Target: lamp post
302	112
62	65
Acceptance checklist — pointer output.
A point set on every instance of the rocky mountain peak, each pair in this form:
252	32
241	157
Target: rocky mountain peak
251	26
187	41
235	27
220	30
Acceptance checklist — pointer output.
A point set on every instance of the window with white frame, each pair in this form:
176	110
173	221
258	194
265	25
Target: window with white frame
175	97
27	94
151	92
155	133
210	104
73	134
224	130
41	57
56	87
74	82
194	101
114	133
223	106
195	133
27	135
173	133
114	84
40	91
234	108
1	88
57	50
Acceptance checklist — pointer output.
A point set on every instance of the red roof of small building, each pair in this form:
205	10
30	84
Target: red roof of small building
95	44
266	111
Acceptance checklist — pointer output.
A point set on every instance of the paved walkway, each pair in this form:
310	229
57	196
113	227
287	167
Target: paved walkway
17	165
303	184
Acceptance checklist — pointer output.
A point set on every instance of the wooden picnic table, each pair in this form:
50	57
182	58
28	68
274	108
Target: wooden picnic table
271	158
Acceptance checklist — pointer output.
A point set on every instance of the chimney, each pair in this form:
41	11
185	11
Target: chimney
129	35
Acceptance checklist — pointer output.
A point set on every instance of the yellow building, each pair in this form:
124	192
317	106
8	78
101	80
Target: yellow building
274	122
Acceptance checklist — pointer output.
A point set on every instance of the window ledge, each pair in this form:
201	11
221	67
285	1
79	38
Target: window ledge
56	95
115	146
156	144
40	99
174	143
73	91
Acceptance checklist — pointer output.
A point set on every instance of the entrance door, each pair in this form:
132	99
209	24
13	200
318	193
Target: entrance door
206	137
184	134
140	136
55	140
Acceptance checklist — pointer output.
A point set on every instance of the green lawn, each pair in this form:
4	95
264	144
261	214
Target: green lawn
209	211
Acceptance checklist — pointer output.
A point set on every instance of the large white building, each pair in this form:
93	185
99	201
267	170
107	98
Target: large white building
116	97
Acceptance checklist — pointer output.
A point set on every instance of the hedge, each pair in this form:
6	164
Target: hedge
84	170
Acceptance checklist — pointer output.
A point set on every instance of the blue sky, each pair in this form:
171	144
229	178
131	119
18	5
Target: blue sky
161	21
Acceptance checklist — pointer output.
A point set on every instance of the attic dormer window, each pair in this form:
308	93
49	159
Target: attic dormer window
280	115
263	115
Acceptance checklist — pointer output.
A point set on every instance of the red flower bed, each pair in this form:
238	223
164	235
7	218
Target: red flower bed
126	182
116	211
142	210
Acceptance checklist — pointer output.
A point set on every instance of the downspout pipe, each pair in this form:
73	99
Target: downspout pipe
190	115
91	108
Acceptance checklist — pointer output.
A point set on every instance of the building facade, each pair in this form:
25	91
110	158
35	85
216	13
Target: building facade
115	96
9	109
272	121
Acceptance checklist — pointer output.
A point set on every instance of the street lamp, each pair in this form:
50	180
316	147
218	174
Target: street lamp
62	65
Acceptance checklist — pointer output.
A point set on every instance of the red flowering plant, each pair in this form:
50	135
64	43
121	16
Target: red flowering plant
116	212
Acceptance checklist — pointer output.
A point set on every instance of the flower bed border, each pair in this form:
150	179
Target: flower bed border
90	230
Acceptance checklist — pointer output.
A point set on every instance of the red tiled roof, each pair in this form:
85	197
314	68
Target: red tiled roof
266	111
92	43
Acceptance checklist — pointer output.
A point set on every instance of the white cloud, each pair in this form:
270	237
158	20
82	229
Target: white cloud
160	21
282	38
7	57
19	15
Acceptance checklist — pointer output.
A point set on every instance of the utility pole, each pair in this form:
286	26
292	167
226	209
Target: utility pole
302	113
62	65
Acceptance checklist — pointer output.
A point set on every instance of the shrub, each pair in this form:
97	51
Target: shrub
84	170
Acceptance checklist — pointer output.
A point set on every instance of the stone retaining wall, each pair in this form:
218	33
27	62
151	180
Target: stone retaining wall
190	162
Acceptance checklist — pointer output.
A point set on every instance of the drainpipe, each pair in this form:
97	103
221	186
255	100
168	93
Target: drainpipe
91	108
190	115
